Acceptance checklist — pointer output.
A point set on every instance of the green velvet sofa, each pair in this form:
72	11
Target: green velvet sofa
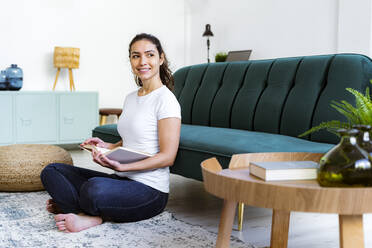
258	106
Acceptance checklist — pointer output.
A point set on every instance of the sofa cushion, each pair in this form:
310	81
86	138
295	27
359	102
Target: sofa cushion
224	99
309	81
279	84
207	91
227	141
189	90
345	71
107	133
243	110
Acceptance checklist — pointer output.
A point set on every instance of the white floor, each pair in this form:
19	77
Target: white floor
189	202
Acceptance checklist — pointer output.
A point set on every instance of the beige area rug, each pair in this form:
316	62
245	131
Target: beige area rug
25	223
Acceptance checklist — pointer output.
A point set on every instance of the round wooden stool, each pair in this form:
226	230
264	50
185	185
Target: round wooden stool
21	165
104	112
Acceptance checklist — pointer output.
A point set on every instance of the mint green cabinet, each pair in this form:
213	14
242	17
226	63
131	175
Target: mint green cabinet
77	116
36	120
6	123
47	117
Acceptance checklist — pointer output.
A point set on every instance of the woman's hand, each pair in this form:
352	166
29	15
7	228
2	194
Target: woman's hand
101	159
96	142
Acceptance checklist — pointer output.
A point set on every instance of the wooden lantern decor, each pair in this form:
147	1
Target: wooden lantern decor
66	57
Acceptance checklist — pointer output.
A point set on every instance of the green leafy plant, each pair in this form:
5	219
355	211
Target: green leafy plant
220	57
360	114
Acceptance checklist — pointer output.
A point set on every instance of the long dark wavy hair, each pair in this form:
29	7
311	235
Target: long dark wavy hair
165	73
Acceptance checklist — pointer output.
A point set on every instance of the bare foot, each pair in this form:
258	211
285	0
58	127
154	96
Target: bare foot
76	223
52	207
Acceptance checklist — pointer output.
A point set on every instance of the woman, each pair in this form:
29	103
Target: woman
150	122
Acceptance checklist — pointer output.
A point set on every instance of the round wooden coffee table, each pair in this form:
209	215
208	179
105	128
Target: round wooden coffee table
237	185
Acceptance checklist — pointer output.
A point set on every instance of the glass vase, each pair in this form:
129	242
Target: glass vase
3	81
363	138
14	76
346	164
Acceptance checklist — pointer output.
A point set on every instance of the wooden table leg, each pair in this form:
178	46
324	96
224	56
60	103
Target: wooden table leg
226	223
240	215
351	231
279	229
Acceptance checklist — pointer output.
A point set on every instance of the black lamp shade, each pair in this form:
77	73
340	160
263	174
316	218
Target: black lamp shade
208	31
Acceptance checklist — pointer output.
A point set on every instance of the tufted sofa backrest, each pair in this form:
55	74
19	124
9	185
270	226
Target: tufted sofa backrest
284	96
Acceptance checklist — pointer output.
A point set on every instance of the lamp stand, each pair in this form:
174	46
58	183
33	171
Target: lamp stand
208	44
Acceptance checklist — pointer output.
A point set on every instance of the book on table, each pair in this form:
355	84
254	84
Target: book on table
121	154
284	170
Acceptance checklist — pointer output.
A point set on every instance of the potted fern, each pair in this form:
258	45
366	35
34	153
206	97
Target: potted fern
220	57
360	114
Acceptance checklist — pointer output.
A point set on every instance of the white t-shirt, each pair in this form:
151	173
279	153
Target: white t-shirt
138	127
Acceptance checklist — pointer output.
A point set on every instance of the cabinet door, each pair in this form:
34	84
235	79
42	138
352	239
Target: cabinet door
78	116
6	123
36	118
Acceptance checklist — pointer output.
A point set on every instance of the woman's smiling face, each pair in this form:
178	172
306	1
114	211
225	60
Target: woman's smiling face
145	60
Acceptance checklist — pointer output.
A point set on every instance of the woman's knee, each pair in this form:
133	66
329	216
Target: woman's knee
49	171
91	192
93	187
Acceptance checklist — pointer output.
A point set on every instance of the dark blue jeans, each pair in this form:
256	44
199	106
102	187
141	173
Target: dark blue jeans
113	198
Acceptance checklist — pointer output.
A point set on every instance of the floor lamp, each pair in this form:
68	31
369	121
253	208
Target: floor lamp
208	33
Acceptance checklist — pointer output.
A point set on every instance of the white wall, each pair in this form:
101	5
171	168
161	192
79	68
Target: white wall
102	29
270	28
354	27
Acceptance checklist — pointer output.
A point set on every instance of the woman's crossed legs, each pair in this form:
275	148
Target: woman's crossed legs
86	198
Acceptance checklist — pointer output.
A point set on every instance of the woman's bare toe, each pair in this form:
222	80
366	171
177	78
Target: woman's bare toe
60	217
61	226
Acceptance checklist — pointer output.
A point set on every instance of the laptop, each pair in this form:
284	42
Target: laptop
238	55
